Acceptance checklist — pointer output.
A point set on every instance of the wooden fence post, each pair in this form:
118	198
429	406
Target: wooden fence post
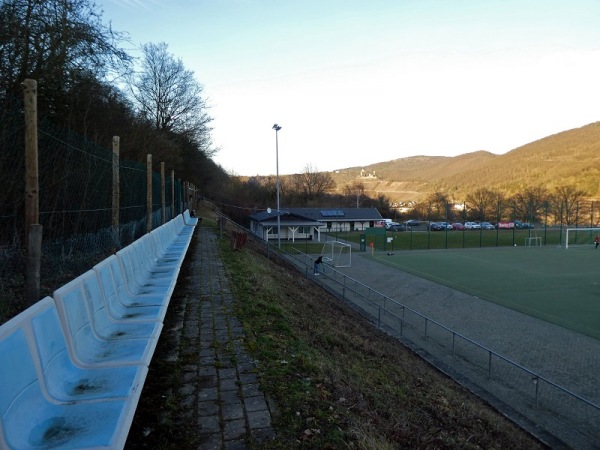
148	193
33	230
33	266
163	200
116	190
186	192
172	194
193	197
181	195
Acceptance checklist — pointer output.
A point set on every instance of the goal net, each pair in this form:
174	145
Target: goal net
581	236
337	254
533	240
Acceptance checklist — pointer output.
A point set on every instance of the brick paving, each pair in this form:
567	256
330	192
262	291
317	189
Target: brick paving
231	408
217	386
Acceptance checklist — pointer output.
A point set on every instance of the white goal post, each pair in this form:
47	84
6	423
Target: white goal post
580	236
338	254
533	241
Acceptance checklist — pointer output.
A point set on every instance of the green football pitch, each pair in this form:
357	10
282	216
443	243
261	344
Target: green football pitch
551	283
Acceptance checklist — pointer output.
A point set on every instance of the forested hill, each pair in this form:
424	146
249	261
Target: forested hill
569	157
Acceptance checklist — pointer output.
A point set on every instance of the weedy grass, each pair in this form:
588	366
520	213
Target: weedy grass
340	383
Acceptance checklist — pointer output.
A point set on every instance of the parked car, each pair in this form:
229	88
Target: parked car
487	226
439	226
412	223
399	227
435	226
472	226
458	226
522	225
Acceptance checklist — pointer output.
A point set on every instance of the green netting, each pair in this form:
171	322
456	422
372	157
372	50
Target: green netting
75	205
12	187
375	237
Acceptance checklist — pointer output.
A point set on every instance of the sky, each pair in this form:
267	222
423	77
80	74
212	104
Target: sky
357	82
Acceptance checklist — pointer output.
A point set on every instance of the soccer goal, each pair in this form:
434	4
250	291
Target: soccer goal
581	236
338	254
533	240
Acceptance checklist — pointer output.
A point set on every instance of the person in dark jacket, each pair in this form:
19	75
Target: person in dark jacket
318	261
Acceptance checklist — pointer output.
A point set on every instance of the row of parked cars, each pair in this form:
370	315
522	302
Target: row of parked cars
441	226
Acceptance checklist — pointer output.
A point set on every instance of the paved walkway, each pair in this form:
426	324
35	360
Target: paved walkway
217	386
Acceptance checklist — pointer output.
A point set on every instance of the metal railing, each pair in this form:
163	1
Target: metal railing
532	394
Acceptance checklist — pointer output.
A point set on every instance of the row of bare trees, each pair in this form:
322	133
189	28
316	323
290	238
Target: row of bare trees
90	85
311	188
565	204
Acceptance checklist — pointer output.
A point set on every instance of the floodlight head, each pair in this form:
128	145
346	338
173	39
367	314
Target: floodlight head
276	127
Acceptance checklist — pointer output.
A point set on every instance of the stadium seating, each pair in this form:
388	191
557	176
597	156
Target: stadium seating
72	366
188	219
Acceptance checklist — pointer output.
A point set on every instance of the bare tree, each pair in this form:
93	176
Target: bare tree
311	183
170	98
483	204
438	205
383	204
55	42
530	204
355	189
565	203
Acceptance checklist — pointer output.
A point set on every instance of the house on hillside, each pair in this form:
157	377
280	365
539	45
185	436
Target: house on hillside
308	223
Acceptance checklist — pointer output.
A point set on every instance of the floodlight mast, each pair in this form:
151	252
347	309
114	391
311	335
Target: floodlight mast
277	128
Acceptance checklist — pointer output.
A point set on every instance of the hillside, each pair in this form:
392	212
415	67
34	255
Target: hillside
571	157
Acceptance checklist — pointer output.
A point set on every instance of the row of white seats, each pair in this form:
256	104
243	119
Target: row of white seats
72	366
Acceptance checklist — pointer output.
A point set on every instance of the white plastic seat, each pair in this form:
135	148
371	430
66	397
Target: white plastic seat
86	347
144	295
149	264
30	420
136	282
189	220
167	244
105	325
120	301
62	379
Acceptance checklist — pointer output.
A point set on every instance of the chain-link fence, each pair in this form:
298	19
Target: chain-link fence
76	191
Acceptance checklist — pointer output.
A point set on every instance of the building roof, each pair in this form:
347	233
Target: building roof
316	216
339	214
286	218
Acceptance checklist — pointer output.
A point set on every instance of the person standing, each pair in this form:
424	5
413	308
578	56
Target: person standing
597	241
318	261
